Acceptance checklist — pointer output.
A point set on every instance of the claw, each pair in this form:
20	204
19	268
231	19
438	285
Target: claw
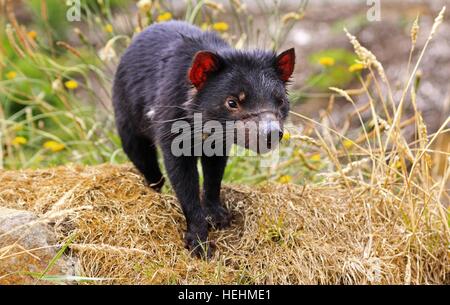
218	217
197	247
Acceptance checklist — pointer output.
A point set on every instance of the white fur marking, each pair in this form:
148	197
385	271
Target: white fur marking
151	113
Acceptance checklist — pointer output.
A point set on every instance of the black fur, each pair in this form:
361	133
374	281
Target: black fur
153	75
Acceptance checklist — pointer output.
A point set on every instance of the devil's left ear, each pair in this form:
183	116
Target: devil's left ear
285	64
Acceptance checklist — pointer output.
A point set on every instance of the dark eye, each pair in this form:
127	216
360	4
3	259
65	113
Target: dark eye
232	103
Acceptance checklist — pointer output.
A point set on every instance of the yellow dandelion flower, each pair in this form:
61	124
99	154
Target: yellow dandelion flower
54	146
285	179
11	75
221	26
356	67
19	141
137	29
348	143
144	5
109	28
286	136
71	85
164	17
32	35
315	157
327	61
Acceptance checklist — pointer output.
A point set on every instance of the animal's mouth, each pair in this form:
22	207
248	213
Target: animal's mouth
260	138
259	143
250	140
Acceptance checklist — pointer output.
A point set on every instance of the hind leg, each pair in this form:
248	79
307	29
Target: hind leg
142	152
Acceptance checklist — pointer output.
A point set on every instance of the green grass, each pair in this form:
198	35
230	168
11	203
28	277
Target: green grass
37	105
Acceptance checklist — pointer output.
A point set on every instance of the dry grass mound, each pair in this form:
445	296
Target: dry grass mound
123	232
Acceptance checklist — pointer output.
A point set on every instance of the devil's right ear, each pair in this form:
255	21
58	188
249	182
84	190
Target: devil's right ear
204	63
285	64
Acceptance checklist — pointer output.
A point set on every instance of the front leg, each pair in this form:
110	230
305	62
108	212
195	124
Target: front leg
213	169
183	175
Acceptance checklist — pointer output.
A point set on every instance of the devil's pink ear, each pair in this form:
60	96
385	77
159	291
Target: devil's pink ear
203	65
286	64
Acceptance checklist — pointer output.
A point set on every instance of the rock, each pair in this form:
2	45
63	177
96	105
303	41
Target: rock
27	245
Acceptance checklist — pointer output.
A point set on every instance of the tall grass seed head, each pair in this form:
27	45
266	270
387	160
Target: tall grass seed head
343	93
415	30
107	53
437	22
215	6
366	57
292	16
144	5
239	6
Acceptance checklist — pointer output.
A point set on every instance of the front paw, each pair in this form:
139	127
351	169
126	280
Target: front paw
218	217
198	245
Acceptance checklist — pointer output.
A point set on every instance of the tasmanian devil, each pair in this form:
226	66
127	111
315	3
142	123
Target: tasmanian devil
173	71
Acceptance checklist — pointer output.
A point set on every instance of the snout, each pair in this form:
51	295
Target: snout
270	131
259	133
